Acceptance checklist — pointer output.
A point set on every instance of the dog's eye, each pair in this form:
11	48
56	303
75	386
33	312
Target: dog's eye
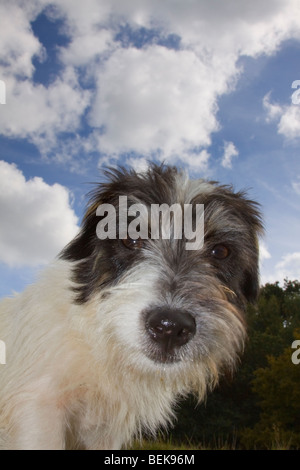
220	252
133	244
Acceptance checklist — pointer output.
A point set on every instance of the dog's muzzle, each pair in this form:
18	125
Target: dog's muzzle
168	331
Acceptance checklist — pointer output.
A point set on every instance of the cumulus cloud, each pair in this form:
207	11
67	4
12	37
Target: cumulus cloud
263	251
229	152
289	124
289	266
36	218
296	186
264	254
166	104
149	98
287	117
41	113
18	45
273	110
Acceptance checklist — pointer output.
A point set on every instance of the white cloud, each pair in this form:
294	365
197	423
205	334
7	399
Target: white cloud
197	161
86	48
18	45
139	164
229	152
287	117
154	99
263	251
289	266
289	124
296	186
39	113
148	100
36	218
264	255
273	111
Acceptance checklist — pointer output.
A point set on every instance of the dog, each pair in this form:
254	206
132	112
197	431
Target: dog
116	329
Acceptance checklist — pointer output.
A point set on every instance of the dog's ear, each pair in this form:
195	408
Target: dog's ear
250	279
250	285
250	213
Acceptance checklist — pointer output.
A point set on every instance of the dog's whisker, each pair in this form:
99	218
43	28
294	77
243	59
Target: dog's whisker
229	291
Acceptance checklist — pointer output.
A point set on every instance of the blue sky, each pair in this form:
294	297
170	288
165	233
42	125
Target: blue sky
205	85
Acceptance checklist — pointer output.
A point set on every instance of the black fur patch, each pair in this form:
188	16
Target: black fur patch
100	263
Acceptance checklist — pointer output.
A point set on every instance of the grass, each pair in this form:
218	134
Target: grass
161	445
169	444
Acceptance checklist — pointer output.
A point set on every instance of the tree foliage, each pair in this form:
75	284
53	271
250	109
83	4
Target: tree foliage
260	407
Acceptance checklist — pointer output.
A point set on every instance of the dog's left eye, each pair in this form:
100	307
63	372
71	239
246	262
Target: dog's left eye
220	252
133	244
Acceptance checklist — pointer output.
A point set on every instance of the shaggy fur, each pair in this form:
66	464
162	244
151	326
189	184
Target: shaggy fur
85	364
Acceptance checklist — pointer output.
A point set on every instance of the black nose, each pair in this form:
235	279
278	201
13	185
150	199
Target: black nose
170	328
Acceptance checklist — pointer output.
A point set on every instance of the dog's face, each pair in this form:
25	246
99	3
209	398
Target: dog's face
163	304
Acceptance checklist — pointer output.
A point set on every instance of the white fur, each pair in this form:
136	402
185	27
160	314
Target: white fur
81	367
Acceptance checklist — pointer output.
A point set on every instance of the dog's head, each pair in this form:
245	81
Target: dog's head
167	303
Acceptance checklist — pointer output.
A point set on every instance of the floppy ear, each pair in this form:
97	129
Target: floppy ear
249	210
250	285
250	279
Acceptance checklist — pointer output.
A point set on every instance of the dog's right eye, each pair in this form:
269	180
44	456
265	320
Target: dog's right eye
133	244
220	252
